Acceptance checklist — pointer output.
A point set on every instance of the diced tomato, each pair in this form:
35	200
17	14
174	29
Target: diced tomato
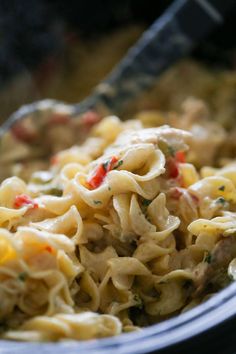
172	168
90	118
49	249
110	164
100	173
22	200
180	157
59	118
23	133
97	177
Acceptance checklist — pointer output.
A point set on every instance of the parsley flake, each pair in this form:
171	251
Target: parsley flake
55	191
119	163
222	188
207	257
220	200
22	276
146	202
168	150
97	202
171	150
138	301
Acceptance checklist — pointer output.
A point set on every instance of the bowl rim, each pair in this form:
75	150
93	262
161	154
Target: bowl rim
202	318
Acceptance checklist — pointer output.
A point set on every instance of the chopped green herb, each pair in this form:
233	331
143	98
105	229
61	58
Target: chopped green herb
146	202
97	202
207	257
51	191
56	191
119	163
220	200
171	150
22	276
222	188
107	165
167	149
109	188
138	301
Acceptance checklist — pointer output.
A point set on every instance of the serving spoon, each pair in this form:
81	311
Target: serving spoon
172	36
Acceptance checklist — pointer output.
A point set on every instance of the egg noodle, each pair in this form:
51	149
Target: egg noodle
126	230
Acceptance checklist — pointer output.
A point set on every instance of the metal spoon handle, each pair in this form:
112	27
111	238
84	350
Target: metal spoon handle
170	38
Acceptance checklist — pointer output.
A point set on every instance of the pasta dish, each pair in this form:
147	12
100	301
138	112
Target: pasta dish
133	226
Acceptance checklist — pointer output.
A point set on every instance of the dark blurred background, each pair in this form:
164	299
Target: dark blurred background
45	43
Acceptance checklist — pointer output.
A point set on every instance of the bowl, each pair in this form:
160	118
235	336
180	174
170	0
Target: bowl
208	327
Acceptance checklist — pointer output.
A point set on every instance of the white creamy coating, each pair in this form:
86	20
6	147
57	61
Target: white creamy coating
73	266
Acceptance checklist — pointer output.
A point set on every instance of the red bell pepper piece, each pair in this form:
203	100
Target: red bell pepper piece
180	157
22	200
49	249
172	164
97	177
100	173
172	168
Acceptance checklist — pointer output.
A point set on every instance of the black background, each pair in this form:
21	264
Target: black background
31	30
